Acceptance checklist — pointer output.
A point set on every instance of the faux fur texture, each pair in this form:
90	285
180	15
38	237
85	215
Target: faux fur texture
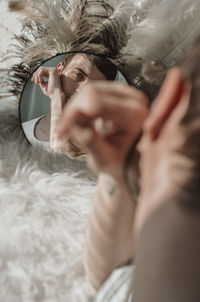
44	205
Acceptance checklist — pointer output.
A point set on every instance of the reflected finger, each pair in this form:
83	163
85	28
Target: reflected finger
34	78
44	74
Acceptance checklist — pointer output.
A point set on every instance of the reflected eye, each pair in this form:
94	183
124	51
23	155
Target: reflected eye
80	76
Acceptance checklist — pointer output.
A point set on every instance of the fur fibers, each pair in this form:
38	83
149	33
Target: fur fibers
45	201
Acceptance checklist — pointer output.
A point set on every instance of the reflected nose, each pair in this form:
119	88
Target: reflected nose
81	84
69	86
84	82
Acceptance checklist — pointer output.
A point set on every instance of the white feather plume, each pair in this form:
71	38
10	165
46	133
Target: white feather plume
52	27
63	24
168	28
142	37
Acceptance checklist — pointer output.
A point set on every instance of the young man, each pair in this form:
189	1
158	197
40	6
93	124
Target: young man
167	223
76	70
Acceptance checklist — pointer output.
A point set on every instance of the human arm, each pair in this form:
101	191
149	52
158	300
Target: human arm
109	233
51	87
87	118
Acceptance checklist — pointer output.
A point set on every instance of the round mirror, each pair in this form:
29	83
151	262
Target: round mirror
51	85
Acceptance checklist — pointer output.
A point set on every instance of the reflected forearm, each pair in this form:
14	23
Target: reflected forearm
57	104
109	233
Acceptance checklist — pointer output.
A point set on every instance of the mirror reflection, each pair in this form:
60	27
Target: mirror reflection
50	87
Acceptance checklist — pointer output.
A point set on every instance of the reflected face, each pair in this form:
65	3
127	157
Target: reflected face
78	71
38	105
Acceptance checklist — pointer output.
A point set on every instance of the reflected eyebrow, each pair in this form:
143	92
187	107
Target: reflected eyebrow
81	70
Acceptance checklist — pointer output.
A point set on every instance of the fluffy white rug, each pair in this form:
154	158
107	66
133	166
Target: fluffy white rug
44	204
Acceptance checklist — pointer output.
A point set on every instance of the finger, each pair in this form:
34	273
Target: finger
42	74
109	119
92	104
120	90
67	122
118	119
77	118
103	99
104	128
39	73
82	136
101	155
107	107
34	79
167	99
98	150
43	87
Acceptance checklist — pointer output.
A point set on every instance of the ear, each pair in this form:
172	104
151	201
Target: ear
169	97
60	67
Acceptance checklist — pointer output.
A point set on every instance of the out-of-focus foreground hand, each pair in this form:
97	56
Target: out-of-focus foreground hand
49	80
105	118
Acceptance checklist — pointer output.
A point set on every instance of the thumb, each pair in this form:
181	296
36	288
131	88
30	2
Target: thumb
99	151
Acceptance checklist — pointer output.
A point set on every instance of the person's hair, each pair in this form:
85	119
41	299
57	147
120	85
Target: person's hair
190	125
107	68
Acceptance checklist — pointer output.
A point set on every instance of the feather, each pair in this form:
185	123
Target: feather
141	37
75	23
167	30
52	27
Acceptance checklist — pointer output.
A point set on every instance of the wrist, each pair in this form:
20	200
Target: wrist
119	185
113	185
118	179
57	96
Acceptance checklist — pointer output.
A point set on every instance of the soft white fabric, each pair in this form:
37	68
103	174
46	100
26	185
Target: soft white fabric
118	287
29	131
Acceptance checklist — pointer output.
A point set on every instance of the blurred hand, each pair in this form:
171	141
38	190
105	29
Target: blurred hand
52	82
105	119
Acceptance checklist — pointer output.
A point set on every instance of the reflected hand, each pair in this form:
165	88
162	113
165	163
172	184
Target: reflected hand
52	84
105	119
